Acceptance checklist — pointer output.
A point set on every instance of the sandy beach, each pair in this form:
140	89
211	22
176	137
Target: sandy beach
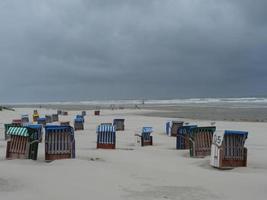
131	171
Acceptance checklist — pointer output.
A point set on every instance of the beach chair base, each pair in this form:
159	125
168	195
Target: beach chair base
12	155
51	157
147	143
200	153
105	146
232	163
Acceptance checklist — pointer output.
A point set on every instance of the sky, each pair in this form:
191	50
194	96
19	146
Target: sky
68	50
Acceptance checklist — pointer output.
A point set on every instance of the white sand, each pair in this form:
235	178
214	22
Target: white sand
132	171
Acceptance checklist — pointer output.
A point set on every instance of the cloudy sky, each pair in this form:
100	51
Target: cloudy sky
132	49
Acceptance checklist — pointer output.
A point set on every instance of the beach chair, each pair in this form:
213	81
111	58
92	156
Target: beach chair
200	140
119	124
48	118
17	122
59	112
106	137
182	138
54	117
21	144
59	142
35	116
25	119
83	113
65	113
227	150
146	138
65	123
41	120
38	136
78	124
172	127
97	112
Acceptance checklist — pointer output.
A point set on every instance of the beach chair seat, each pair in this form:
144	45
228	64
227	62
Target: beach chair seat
119	124
21	144
59	142
106	137
200	141
228	149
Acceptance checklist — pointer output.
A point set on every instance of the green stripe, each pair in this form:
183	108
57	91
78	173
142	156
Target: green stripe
20	131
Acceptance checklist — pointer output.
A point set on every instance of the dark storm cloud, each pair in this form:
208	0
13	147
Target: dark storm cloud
92	49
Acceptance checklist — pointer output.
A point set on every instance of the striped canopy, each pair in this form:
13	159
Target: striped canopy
106	128
19	131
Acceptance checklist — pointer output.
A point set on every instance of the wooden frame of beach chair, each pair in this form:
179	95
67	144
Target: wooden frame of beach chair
175	125
59	142
182	138
21	144
106	137
48	118
119	124
228	149
55	118
200	141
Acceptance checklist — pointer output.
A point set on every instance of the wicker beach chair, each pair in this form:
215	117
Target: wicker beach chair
227	150
182	138
119	124
22	143
41	120
59	142
78	123
200	141
106	137
54	117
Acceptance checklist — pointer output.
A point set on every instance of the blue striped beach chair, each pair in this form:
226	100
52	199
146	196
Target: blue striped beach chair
182	139
227	150
106	137
146	138
59	142
79	123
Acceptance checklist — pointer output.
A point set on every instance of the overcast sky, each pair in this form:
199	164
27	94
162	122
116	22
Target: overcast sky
132	49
